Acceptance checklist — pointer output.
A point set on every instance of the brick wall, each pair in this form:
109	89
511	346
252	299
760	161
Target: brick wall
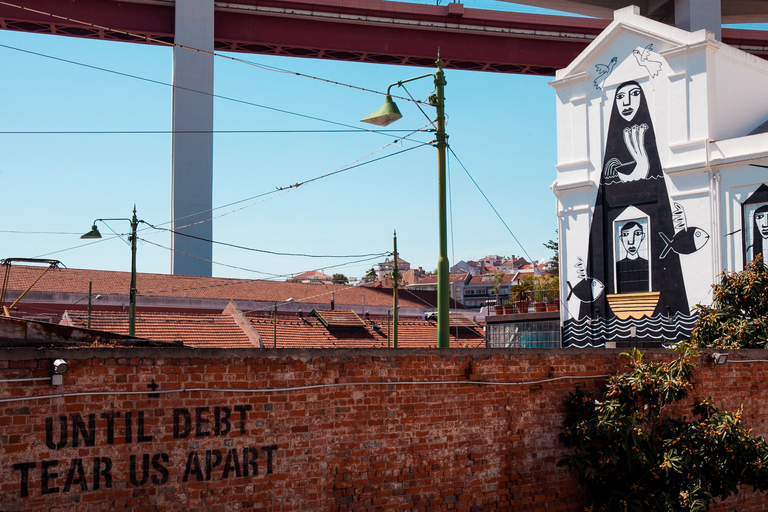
237	439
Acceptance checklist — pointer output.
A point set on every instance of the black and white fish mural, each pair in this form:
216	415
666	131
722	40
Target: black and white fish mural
587	289
685	240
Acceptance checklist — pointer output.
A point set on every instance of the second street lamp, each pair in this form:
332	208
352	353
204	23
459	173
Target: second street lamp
94	233
389	113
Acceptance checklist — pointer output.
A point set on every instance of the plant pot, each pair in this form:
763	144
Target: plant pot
553	307
508	310
522	305
499	310
539	307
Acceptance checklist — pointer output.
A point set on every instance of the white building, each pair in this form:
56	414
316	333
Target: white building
662	177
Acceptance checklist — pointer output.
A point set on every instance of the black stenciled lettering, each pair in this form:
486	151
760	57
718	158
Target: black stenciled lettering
24	468
141	437
212	460
201	422
249	461
221	423
76	466
158	461
79	429
100	472
49	433
193	467
47	477
178	431
110	417
128	428
144	470
231	464
242	409
269	450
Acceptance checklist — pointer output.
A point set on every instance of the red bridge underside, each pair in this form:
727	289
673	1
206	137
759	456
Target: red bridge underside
375	31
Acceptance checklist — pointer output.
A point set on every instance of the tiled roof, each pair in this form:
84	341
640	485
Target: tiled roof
488	279
67	280
221	331
311	274
195	330
338	318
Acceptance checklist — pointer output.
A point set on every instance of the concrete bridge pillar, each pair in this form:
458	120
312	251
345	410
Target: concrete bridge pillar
192	153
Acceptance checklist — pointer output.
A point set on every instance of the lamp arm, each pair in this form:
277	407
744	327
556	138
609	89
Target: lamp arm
401	82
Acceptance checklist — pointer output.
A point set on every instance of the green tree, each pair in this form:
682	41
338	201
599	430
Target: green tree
339	279
632	457
554	262
738	316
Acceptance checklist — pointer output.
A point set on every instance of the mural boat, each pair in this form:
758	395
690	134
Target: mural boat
633	305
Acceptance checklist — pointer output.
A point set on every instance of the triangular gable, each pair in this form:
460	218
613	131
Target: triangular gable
628	32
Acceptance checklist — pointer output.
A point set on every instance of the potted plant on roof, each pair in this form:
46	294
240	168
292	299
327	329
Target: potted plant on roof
509	307
540	292
554	294
498	307
522	292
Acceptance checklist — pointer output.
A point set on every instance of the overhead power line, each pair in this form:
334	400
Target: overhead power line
197	50
490	204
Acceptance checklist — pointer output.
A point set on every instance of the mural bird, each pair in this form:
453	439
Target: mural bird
603	71
587	289
643	59
686	240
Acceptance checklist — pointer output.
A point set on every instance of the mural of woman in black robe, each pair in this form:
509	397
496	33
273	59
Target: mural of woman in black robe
755	227
632	177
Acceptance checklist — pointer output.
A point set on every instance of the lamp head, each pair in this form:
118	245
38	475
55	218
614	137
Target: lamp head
387	114
93	233
719	358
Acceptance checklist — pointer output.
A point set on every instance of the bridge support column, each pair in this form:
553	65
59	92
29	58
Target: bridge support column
192	153
693	15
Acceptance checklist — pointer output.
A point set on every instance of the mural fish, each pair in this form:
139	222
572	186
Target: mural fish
686	240
587	289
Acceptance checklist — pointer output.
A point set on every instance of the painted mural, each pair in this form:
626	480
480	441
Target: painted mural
630	285
755	225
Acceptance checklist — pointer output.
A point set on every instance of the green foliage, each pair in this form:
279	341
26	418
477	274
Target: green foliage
523	289
554	262
633	456
738	317
340	279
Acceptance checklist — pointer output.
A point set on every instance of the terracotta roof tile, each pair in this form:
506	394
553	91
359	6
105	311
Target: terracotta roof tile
338	318
195	330
67	280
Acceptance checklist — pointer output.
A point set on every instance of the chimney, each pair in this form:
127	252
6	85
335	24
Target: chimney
333	302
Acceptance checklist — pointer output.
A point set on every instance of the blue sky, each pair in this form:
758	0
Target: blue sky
501	127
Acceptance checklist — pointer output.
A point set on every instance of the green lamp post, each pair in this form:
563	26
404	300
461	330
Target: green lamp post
94	233
389	113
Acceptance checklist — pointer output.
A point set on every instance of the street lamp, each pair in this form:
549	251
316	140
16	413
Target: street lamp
94	233
389	113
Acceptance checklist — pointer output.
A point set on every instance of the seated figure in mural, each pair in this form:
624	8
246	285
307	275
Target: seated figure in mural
632	270
760	233
632	178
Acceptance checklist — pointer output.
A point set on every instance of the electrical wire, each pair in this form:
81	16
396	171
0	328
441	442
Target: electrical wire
490	204
213	95
307	387
169	132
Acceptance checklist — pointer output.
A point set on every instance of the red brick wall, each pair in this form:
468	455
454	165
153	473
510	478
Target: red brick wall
344	446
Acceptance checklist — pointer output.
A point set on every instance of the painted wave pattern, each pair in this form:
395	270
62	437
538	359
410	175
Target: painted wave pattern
586	332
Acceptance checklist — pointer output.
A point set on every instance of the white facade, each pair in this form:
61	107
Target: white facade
644	230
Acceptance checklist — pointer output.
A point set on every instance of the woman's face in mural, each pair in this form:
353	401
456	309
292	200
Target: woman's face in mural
761	219
628	100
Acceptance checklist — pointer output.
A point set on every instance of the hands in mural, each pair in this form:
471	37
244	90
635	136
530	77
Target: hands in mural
634	138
